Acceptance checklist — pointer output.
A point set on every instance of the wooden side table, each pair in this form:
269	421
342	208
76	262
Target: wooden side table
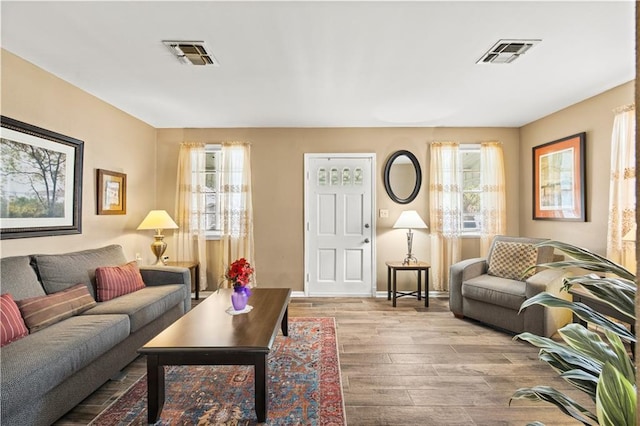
194	269
581	295
394	267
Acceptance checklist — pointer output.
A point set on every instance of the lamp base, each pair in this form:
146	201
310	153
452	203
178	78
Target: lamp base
409	259
158	247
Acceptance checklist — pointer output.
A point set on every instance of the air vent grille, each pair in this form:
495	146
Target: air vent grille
191	52
507	51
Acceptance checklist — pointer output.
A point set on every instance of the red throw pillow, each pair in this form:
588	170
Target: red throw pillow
12	325
115	281
42	311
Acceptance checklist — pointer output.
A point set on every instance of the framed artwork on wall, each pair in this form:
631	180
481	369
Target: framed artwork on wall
559	179
41	181
112	192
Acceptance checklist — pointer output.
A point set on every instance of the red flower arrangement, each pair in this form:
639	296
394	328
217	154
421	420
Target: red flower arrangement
239	273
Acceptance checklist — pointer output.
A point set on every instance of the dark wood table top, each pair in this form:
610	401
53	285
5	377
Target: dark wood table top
399	265
208	327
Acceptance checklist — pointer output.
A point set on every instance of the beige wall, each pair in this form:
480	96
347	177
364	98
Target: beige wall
278	186
595	117
112	139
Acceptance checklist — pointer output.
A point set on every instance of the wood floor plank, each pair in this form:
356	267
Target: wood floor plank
407	416
455	358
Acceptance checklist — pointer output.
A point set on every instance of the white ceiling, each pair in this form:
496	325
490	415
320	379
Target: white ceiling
317	64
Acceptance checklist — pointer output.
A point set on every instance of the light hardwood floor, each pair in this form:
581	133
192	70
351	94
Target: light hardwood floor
410	365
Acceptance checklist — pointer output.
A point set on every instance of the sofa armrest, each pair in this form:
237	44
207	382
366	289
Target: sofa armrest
549	280
538	319
164	275
459	273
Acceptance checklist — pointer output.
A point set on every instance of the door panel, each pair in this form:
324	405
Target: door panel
339	236
326	265
326	215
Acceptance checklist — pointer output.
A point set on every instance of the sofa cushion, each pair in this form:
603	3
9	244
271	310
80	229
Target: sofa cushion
61	271
510	260
144	305
12	326
19	278
70	345
43	311
115	281
495	290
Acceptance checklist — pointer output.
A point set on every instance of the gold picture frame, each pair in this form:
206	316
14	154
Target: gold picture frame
112	192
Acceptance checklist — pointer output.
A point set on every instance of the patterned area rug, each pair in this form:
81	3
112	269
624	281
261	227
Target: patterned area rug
304	387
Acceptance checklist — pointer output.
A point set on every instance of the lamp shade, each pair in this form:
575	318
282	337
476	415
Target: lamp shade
157	219
410	219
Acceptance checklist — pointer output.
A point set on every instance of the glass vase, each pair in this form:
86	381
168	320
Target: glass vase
239	300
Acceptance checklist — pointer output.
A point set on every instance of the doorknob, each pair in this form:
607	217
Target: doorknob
366	241
366	225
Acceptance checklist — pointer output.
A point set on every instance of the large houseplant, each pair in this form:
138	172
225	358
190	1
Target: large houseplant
595	363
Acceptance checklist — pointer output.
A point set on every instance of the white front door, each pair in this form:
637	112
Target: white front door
339	225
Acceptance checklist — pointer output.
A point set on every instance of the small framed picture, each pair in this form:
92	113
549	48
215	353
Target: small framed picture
112	192
559	179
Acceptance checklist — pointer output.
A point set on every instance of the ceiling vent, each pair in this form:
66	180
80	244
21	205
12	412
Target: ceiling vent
191	52
507	51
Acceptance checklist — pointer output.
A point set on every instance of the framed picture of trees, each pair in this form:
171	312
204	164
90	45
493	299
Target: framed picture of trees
40	181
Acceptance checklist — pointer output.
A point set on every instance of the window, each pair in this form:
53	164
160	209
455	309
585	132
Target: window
211	192
469	160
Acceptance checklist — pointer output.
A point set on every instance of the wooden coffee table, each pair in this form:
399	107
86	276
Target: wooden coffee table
207	335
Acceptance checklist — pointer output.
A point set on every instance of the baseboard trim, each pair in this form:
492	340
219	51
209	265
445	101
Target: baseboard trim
379	294
298	293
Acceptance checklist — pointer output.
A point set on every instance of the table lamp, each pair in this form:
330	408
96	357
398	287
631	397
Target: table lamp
410	219
158	220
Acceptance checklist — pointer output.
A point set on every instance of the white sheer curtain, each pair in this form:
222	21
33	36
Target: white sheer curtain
236	205
492	198
189	238
445	200
622	196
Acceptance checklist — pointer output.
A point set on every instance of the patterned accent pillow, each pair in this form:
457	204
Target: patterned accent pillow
115	281
510	260
42	311
12	325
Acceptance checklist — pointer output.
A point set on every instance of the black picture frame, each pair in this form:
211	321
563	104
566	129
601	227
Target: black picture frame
387	177
41	189
559	183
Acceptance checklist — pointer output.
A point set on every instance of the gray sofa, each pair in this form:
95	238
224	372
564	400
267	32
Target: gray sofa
477	292
48	372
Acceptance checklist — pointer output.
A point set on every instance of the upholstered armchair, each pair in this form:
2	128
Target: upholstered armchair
492	290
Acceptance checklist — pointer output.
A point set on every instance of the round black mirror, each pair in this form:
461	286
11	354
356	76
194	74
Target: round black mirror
402	177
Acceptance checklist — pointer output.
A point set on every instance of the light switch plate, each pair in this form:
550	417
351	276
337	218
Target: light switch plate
384	213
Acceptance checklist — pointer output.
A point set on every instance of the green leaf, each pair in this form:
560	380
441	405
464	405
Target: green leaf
566	360
623	362
615	399
582	311
567	405
615	292
587	343
585	259
583	381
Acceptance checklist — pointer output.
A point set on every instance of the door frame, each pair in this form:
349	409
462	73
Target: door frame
364	155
